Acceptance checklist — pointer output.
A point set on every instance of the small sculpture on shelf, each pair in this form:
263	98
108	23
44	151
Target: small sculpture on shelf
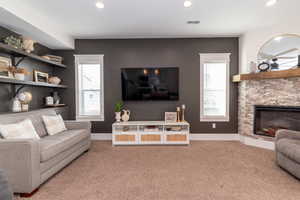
28	44
56	98
21	102
25	98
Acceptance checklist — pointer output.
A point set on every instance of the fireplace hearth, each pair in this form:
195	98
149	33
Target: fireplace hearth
268	119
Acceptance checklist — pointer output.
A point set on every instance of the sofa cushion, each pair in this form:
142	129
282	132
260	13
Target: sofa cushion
290	148
20	130
55	144
34	116
54	124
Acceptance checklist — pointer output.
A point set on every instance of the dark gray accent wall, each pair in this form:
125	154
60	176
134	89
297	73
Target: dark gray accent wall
182	53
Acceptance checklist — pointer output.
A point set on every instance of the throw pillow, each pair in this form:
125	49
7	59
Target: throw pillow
21	130
54	124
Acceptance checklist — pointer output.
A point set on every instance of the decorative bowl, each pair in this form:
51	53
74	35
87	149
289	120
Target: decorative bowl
54	80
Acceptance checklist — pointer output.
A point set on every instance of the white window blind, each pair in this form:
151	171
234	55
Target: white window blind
214	87
89	87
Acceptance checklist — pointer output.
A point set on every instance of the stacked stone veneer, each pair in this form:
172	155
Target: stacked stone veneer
279	92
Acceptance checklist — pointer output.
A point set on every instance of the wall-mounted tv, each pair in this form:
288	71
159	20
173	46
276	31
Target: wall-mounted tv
150	84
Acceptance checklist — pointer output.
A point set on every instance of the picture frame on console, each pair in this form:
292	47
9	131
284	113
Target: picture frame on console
170	117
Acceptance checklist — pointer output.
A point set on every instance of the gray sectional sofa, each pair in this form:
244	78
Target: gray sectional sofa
29	163
288	151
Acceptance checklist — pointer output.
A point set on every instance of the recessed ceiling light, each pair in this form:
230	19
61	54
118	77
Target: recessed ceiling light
278	39
100	4
271	3
187	4
193	22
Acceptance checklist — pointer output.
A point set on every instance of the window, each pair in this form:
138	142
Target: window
89	87
214	87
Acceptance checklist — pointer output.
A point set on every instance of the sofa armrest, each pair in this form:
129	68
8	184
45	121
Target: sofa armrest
284	133
71	125
20	159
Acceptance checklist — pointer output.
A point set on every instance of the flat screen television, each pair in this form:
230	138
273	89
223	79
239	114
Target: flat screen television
150	84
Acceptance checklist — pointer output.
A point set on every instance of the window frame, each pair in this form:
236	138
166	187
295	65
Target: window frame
89	59
214	58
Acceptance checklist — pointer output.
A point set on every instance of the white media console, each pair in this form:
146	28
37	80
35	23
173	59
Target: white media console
151	133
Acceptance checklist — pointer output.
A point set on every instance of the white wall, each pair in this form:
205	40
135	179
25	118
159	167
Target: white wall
251	41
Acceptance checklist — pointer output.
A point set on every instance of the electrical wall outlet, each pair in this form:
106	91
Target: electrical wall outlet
214	125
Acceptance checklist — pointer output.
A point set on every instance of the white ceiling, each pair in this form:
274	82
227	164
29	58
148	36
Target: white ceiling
149	18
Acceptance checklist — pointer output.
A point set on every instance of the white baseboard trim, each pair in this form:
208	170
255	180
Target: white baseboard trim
214	137
257	143
208	137
101	136
193	137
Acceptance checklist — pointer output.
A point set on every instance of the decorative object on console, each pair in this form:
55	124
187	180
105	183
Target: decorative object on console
14	42
126	115
178	114
25	98
264	67
183	107
118	108
151	128
174	128
28	44
54	80
170	117
5	67
40	76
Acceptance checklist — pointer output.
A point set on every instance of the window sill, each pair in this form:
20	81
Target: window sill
93	119
214	119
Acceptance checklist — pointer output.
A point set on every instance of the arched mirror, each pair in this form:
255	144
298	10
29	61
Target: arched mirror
281	52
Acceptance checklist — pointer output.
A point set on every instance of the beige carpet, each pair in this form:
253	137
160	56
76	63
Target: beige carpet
203	171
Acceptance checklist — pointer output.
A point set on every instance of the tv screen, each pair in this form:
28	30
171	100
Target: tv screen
150	84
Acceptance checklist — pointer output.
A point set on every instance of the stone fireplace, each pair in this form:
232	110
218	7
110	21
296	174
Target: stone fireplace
268	93
268	119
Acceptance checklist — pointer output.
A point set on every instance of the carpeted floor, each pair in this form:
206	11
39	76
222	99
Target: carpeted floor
203	171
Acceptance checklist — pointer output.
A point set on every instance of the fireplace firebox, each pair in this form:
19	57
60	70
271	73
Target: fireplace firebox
268	119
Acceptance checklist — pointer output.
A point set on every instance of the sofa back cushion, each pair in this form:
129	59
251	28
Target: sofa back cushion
34	116
19	130
54	124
